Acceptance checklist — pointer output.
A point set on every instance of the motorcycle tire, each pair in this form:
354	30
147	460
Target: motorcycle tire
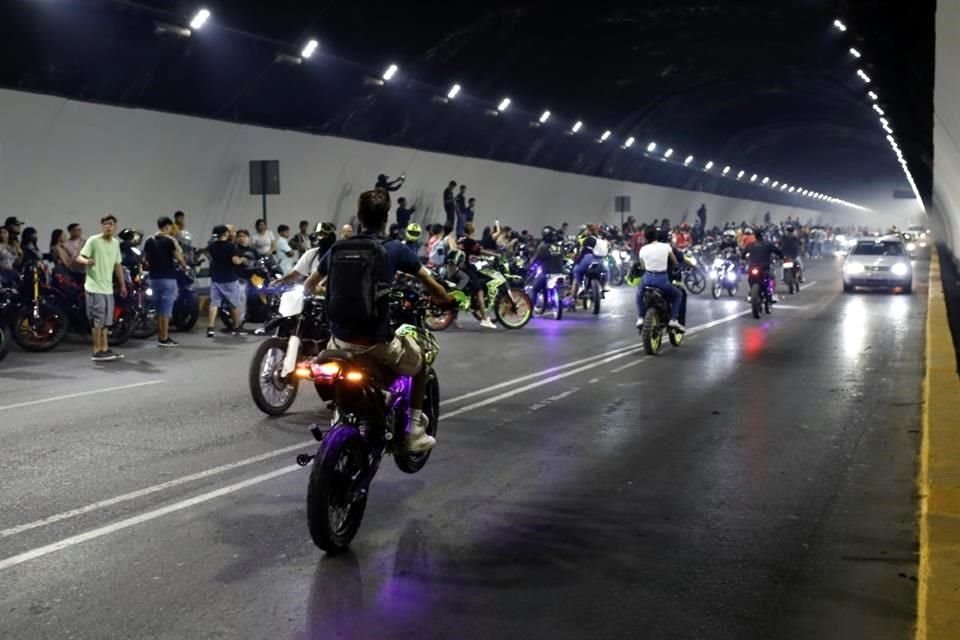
56	324
341	458
558	309
595	295
442	321
695	282
121	329
617	276
146	327
717	288
756	304
767	306
4	342
732	291
513	309
256	378
186	312
788	278
652	333
413	462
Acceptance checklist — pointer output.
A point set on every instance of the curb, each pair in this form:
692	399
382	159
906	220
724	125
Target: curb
938	589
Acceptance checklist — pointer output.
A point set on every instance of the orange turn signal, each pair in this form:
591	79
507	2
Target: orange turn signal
327	369
354	376
303	372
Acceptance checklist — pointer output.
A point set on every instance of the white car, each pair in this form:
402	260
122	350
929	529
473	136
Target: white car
878	262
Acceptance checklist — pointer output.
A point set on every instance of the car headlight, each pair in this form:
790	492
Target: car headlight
853	267
911	246
900	269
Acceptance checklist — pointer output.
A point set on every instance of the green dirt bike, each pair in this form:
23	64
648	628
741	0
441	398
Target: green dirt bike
505	294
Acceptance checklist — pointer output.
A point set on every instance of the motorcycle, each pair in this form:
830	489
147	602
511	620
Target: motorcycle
553	297
726	276
591	293
372	408
36	320
261	300
7	300
504	294
278	366
655	321
616	263
761	290
694	277
70	296
145	316
186	308
792	274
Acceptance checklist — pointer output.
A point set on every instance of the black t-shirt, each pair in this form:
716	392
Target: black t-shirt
404	215
222	269
449	204
760	253
461	203
790	245
399	258
159	250
470	246
550	257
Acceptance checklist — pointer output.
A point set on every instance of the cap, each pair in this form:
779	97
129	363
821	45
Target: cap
12	220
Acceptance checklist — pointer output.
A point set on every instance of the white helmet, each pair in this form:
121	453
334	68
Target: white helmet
730	233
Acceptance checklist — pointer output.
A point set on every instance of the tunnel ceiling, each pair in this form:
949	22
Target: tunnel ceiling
768	87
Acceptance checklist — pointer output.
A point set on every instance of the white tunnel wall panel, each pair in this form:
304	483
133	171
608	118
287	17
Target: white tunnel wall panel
63	161
946	124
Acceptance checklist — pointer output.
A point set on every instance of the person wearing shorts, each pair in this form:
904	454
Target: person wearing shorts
163	254
224	285
100	256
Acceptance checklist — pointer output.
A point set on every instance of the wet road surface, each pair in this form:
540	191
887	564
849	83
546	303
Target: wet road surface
757	482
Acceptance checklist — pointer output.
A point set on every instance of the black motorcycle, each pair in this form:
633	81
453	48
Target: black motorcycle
371	412
37	321
261	299
655	322
7	305
186	308
761	290
591	293
792	274
70	296
281	361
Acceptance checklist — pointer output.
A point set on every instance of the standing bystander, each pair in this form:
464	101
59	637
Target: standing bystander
101	257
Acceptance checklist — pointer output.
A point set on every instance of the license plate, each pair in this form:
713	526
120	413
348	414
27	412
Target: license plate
788	265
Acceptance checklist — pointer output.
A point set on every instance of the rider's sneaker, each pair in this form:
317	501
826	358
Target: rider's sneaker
210	332
675	324
774	298
639	323
418	440
486	324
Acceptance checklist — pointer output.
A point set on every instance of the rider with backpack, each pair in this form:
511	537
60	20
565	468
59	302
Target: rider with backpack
359	273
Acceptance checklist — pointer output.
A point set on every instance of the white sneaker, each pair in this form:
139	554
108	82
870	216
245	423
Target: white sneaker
486	324
774	298
418	440
639	323
675	324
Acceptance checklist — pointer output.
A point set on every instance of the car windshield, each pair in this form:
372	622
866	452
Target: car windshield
878	249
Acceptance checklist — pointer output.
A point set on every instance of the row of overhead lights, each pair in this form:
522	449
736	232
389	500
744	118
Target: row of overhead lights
203	16
839	25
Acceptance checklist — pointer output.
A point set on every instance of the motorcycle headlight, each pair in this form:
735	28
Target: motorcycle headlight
853	267
149	291
693	260
900	269
732	277
717	263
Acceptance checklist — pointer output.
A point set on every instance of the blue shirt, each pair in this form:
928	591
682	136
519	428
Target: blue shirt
399	258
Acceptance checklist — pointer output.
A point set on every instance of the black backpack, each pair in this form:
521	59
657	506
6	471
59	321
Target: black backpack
357	283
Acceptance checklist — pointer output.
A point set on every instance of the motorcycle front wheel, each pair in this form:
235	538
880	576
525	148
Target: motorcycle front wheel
557	296
616	275
186	312
676	337
146	327
4	342
513	308
41	333
717	288
439	321
334	507
272	394
413	462
121	329
695	282
756	304
651	334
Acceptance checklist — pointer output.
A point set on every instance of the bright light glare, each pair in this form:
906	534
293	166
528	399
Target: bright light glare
873	96
863	75
884	121
668	153
855	53
765	180
878	110
784	186
309	49
688	160
792	189
200	19
708	166
726	170
775	183
887	128
652	147
577	126
839	25
741	174
753	178
606	134
504	104
454	90
629	142
390	72
544	117
854	267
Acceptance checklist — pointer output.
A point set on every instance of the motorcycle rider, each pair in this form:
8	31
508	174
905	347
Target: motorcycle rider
549	260
585	258
759	254
655	258
322	239
374	337
729	242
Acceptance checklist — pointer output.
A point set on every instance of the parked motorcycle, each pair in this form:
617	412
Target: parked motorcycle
281	361
37	321
186	308
261	300
7	306
70	296
372	409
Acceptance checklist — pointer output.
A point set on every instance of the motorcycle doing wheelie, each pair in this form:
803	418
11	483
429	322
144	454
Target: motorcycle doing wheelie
372	408
281	361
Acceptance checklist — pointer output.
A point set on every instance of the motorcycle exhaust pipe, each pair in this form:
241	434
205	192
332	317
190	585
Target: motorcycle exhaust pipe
290	357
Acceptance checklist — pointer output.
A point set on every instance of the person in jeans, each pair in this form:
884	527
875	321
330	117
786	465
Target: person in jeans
224	259
101	257
162	254
656	258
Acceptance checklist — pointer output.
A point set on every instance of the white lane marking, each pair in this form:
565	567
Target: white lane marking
39	552
627	366
537	374
133	495
80	394
548	401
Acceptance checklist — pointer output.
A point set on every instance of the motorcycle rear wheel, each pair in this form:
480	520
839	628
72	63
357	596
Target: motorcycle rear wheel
45	336
413	462
756	304
263	383
616	275
652	333
334	512
513	309
186	312
595	295
4	342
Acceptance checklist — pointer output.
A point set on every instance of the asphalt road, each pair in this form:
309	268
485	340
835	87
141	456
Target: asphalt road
757	482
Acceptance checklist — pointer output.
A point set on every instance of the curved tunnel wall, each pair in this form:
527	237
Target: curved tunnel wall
65	161
946	126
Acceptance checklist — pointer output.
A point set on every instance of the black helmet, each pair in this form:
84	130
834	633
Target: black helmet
130	236
663	234
548	234
589	242
789	228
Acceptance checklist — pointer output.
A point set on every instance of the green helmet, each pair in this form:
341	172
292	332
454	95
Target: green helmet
413	232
